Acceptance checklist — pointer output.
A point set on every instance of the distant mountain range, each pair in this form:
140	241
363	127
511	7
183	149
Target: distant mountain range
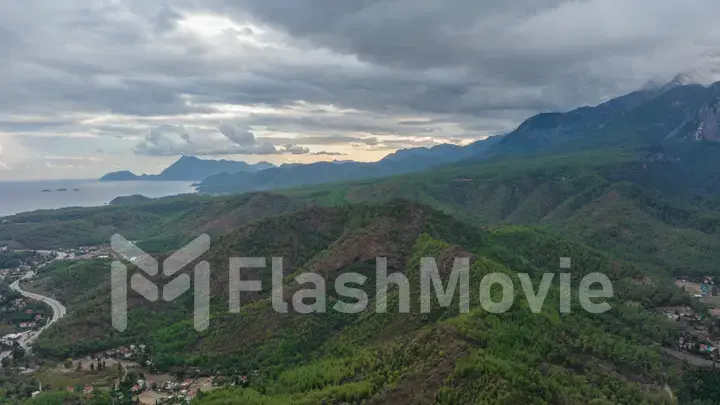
222	176
402	161
678	111
190	168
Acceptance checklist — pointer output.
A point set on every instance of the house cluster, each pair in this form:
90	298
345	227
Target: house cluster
169	392
706	285
10	339
179	398
81	250
681	314
698	343
123	352
89	252
14	305
696	337
180	391
31	324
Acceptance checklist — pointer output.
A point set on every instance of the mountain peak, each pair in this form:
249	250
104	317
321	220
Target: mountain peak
687	78
192	168
680	79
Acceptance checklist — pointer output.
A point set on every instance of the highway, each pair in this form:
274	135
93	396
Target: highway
59	310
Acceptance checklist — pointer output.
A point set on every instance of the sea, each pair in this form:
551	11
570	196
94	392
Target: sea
22	196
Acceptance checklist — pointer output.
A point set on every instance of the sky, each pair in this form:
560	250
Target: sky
92	86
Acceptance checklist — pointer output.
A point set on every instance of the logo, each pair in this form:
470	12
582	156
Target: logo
151	292
309	294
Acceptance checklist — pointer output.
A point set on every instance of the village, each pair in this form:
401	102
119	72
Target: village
698	341
126	372
142	383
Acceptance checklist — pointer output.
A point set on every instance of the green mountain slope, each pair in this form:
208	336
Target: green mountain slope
607	199
443	356
159	225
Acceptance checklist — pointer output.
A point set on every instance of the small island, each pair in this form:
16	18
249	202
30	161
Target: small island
76	189
45	191
62	189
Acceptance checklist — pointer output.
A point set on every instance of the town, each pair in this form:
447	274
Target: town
126	373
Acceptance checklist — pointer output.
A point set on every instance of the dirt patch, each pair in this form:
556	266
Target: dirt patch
158	378
151	397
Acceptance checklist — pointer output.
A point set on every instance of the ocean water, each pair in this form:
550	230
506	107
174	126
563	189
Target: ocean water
22	196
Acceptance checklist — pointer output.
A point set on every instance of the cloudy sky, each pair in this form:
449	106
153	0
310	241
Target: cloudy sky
91	86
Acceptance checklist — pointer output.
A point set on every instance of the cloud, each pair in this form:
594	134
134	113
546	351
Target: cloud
171	140
237	135
324	140
3	165
295	150
52	165
249	76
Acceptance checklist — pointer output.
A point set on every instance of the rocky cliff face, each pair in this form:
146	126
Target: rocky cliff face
707	126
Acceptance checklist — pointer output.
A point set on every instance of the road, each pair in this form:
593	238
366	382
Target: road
59	310
696	361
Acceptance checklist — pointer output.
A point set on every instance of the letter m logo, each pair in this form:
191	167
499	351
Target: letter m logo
173	289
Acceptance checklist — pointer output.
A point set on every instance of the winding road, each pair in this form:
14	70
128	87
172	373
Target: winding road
59	310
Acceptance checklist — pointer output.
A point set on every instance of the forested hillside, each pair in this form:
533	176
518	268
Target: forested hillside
620	202
443	356
161	224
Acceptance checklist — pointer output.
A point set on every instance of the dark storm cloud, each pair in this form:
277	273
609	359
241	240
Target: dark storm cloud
528	42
